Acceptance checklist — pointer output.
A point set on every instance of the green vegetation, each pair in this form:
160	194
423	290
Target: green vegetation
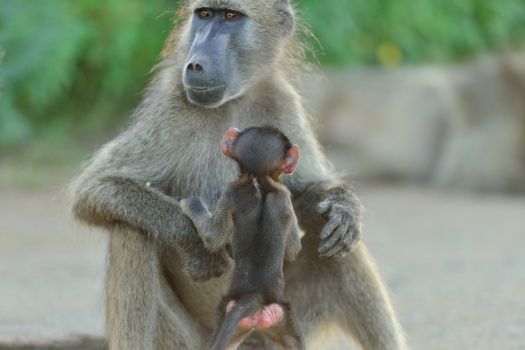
72	62
371	32
74	67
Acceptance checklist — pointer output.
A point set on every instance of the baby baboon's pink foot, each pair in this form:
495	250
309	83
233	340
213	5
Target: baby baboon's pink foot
266	318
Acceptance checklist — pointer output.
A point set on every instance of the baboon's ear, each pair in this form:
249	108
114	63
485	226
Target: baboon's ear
291	160
286	17
228	140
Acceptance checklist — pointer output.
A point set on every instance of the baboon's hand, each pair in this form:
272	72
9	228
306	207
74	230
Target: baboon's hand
202	265
343	230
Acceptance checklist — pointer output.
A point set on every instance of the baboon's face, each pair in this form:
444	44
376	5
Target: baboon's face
228	49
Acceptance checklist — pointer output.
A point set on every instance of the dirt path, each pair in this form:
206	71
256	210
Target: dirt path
52	285
454	263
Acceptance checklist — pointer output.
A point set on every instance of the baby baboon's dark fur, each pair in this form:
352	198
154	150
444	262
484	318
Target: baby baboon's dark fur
256	216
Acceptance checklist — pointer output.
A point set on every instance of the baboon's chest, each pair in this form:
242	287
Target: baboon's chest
200	169
203	173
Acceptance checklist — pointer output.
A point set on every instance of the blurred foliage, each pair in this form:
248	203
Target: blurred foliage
356	32
71	62
80	65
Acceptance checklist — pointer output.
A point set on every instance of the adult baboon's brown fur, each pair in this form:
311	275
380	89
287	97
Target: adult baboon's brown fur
132	184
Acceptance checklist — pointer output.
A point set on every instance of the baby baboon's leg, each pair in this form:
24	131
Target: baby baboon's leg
287	333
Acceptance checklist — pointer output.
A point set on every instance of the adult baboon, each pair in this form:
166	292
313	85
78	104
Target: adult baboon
227	64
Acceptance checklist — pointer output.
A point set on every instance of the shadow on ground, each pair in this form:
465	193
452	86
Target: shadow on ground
84	343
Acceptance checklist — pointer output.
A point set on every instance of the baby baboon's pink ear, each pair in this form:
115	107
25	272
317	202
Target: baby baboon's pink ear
291	160
228	140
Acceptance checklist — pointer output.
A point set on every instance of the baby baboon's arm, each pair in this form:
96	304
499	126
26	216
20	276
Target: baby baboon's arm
280	205
214	229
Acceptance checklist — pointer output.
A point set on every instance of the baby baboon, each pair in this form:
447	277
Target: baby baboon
255	215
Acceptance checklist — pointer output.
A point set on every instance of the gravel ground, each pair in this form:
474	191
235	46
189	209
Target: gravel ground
454	264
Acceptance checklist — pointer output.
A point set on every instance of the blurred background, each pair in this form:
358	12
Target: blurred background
421	104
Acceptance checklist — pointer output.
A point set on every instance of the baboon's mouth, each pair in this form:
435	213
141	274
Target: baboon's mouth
204	88
206	96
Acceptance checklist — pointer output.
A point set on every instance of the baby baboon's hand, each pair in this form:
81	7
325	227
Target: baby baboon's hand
193	207
343	230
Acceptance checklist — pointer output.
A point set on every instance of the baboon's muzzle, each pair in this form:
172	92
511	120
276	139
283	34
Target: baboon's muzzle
204	75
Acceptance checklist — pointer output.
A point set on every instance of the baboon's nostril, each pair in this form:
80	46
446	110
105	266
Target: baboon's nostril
195	66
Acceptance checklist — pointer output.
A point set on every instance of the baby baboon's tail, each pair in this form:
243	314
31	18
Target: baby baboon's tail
244	307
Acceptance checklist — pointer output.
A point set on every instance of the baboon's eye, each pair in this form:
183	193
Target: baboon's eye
230	16
204	13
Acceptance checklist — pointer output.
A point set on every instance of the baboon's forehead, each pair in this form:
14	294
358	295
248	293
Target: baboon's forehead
252	8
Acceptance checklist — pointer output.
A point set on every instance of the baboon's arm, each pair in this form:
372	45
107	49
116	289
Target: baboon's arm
293	240
114	190
294	234
214	229
318	196
111	200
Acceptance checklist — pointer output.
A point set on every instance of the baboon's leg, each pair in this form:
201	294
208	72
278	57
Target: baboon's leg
309	297
362	305
176	329
348	291
138	314
132	291
257	341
